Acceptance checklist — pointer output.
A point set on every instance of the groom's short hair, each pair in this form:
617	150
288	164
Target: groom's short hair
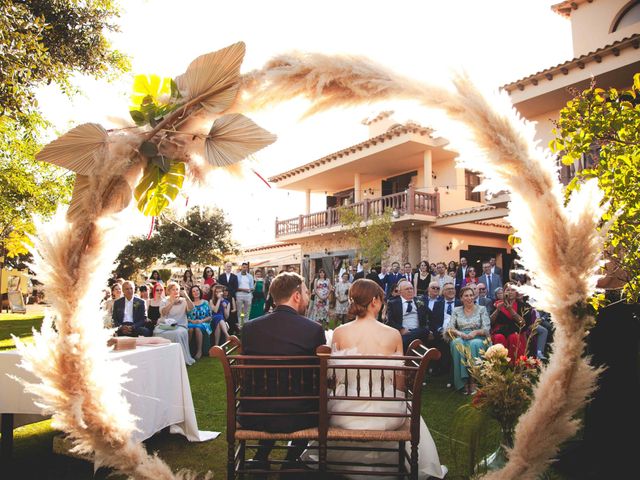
284	285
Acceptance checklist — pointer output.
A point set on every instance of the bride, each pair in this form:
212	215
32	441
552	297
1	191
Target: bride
366	336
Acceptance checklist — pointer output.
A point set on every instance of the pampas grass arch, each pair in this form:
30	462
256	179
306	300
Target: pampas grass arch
80	387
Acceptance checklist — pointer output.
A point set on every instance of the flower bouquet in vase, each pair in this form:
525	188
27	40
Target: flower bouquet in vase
504	392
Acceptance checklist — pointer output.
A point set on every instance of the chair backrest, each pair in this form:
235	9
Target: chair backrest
350	382
267	386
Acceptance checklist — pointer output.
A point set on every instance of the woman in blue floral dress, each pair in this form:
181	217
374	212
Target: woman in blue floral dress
199	319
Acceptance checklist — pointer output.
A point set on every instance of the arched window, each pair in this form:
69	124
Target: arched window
629	15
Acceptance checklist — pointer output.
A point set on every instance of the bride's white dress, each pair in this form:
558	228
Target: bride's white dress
428	461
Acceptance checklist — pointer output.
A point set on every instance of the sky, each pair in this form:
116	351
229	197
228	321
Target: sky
495	41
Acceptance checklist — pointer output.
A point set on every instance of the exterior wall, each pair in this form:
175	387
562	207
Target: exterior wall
439	239
332	243
591	23
544	125
277	258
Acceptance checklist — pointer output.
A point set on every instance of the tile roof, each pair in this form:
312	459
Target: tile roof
594	56
564	8
396	131
465	211
269	246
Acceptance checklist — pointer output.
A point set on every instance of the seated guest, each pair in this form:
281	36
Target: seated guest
510	323
220	310
199	319
155	277
483	299
173	324
187	280
468	329
471	277
154	304
129	316
284	332
409	315
116	293
433	295
440	320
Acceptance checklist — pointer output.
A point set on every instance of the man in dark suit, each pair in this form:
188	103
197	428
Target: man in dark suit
284	332
129	315
392	278
409	315
367	273
440	316
461	273
483	300
230	280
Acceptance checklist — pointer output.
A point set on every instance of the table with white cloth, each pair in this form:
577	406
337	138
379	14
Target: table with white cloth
157	390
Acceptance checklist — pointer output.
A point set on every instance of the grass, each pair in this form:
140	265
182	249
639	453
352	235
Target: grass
19	325
33	457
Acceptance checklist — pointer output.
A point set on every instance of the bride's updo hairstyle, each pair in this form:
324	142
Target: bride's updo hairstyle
360	295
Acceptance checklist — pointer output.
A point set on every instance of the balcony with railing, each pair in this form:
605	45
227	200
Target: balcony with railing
401	204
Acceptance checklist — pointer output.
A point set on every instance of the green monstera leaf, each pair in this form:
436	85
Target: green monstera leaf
157	189
152	98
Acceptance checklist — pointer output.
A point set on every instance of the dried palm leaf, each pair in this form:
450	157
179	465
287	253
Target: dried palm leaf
79	200
232	138
216	74
76	150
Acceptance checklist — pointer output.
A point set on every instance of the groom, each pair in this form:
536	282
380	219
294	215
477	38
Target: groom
285	331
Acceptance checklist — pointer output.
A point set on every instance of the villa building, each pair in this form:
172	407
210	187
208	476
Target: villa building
404	167
436	214
606	41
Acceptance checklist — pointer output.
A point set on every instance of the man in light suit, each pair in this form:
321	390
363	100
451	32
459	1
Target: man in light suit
491	280
409	315
494	268
129	315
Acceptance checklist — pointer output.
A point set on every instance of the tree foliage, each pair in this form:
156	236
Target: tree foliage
27	188
42	41
45	41
202	237
372	236
604	126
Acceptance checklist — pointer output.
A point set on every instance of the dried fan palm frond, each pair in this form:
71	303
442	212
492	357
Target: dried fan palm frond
214	74
79	200
76	150
234	137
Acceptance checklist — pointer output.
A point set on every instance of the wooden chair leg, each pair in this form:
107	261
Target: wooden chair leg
242	453
414	460
402	466
231	461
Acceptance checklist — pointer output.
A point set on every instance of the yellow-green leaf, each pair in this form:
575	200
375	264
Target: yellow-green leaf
156	190
150	85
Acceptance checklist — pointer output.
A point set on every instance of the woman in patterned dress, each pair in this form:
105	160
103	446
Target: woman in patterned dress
342	298
321	290
199	319
469	329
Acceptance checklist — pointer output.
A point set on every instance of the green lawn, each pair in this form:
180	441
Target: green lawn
33	457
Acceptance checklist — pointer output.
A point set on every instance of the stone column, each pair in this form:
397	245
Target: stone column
357	188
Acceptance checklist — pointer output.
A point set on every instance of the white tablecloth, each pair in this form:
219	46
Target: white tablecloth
158	391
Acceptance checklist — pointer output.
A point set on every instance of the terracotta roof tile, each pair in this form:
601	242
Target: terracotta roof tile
396	131
564	8
464	211
596	55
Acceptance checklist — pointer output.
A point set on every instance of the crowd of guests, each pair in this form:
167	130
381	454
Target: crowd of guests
194	312
450	306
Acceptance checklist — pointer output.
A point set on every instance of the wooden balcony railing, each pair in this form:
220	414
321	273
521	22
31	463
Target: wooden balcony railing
405	203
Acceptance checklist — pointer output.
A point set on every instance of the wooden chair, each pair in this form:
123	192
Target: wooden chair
407	376
255	382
